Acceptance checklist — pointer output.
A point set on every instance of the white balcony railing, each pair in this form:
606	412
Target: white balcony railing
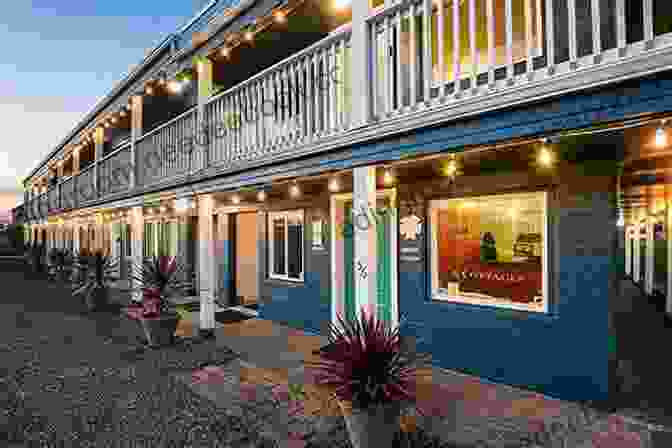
114	171
299	100
168	150
68	199
422	55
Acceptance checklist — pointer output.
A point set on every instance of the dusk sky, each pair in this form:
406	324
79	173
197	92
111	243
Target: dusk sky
59	57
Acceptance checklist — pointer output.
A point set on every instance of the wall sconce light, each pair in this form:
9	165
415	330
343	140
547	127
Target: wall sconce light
388	178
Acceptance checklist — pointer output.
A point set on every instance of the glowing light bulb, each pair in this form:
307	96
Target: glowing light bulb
388	178
661	137
175	86
225	51
545	157
149	91
249	36
334	185
294	191
261	196
162	209
235	199
279	17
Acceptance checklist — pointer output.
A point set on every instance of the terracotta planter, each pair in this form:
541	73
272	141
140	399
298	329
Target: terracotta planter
160	330
371	427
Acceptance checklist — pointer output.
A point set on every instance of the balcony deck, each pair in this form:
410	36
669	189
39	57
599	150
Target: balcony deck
304	105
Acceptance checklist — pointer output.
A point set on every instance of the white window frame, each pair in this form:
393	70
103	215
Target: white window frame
437	295
271	244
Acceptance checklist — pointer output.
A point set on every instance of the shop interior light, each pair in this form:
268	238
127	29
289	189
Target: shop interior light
261	196
661	135
334	185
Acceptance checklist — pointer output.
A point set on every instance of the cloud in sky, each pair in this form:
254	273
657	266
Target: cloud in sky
60	58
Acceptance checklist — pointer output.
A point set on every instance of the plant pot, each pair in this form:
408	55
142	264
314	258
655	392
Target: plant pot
374	426
97	299
160	330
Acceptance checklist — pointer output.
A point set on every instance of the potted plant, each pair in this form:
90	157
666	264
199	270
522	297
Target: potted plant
373	375
158	277
92	283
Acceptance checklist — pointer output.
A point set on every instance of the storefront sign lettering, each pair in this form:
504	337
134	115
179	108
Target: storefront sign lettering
362	269
500	276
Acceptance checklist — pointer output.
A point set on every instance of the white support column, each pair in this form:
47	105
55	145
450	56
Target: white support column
648	274
361	82
136	132
76	245
365	262
206	262
137	237
628	251
636	253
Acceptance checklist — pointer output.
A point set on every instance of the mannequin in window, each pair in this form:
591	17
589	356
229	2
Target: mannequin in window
488	248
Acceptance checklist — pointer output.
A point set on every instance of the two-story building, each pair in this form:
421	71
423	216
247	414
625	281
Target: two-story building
460	163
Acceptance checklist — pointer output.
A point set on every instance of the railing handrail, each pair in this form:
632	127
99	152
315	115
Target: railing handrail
90	167
384	11
117	150
168	123
322	42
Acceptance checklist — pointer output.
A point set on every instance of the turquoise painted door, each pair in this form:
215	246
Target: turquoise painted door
384	229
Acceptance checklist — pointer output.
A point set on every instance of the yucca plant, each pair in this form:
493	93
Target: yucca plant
373	374
159	276
94	275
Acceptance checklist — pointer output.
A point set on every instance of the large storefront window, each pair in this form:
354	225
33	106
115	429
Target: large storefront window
286	245
491	250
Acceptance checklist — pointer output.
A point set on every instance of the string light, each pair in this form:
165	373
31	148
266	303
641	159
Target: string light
279	17
545	157
114	119
294	190
175	86
149	90
235	199
334	185
225	51
661	136
249	35
122	113
261	196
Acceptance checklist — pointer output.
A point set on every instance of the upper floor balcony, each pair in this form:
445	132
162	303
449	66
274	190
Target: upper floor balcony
400	66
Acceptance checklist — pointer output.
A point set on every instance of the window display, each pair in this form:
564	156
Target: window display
490	250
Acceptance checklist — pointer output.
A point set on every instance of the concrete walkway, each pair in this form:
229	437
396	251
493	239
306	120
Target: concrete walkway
461	410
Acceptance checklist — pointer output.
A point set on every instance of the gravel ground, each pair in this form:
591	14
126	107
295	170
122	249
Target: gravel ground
70	379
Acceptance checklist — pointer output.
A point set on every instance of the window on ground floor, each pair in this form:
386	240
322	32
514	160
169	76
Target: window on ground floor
285	243
491	250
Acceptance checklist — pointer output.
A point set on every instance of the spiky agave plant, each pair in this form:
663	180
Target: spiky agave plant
158	276
367	363
96	272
